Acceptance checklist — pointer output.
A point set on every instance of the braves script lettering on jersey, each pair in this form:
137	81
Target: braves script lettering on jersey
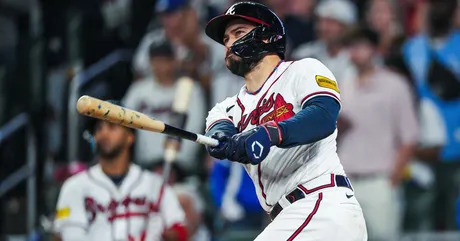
91	207
311	167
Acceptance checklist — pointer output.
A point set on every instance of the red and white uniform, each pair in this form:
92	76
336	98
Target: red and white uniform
285	91
92	207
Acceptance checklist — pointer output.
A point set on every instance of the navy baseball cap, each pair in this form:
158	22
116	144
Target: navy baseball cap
161	47
170	6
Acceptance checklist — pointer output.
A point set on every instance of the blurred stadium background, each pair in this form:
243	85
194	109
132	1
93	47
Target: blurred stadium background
53	51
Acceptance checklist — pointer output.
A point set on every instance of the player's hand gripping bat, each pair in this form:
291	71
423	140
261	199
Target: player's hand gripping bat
104	110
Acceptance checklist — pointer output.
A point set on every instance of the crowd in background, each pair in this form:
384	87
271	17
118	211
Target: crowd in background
397	63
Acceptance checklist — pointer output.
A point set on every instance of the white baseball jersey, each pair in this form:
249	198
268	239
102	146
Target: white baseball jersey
281	97
151	98
92	207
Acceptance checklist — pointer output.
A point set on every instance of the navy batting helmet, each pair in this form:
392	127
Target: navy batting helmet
269	29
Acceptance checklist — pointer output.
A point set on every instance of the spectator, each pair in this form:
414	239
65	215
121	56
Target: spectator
103	28
234	195
412	15
334	18
197	56
380	138
189	198
433	58
299	29
8	44
420	191
382	17
302	8
154	96
457	18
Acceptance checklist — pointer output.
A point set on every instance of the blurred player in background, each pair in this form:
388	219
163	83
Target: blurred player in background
154	96
190	200
197	56
115	199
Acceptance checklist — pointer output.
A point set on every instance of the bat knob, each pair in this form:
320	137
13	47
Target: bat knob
83	104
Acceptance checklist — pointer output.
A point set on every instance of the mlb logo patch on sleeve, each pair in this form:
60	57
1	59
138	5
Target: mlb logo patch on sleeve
327	83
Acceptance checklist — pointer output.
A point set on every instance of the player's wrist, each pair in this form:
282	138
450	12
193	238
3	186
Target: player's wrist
223	126
274	132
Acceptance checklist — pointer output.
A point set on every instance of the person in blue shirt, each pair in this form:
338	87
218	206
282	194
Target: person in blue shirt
433	59
234	194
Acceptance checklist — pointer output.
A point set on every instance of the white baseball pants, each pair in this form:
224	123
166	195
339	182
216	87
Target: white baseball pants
328	214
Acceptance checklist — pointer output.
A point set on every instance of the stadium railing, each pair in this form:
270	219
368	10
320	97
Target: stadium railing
83	78
26	172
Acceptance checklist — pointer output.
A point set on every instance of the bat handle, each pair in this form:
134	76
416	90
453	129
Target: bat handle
206	140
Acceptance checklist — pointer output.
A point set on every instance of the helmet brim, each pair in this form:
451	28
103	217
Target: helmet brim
215	29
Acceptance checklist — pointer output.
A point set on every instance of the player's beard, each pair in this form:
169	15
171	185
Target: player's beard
239	66
109	154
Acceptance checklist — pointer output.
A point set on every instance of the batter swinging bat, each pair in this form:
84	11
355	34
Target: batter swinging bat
104	110
179	107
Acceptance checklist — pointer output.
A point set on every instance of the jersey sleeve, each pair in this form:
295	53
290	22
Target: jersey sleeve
220	112
432	130
313	79
170	209
131	98
70	210
405	118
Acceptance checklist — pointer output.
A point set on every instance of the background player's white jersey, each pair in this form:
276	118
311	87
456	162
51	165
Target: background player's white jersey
281	96
149	97
91	207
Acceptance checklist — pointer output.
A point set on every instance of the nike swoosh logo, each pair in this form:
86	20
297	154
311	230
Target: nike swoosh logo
229	108
349	196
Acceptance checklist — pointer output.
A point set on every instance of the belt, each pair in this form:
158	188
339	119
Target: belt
300	192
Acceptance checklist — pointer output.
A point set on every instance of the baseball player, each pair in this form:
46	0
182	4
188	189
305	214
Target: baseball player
115	199
282	127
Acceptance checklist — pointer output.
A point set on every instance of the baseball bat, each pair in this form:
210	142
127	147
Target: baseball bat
103	110
180	106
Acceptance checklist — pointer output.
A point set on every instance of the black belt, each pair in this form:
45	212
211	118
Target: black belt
297	194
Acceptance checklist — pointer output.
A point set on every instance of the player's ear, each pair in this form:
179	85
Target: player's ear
131	137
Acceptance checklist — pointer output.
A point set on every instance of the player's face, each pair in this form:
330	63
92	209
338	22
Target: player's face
172	23
112	139
163	66
361	53
381	15
234	31
329	30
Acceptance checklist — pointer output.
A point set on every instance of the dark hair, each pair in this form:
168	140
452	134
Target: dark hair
452	4
362	33
91	123
161	48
